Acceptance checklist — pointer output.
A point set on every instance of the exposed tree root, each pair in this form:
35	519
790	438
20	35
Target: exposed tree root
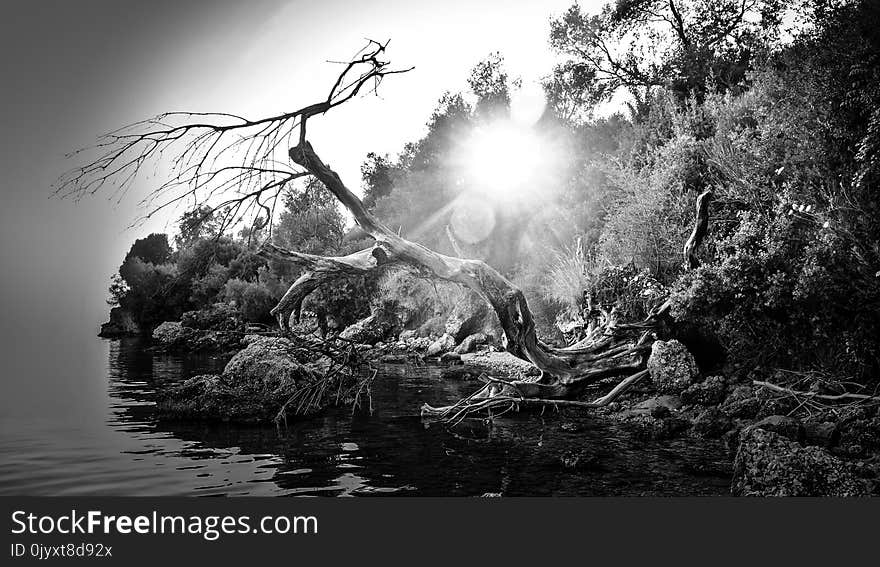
847	396
205	142
611	349
509	396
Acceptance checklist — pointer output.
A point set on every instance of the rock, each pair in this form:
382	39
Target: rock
121	324
661	405
470	343
742	409
253	387
433	327
772	404
393	359
217	317
248	339
419	344
491	495
768	464
788	427
371	329
711	423
441	345
822	434
409	335
672	367
860	431
172	334
742	403
467	316
451	358
659	424
708	392
500	364
270	361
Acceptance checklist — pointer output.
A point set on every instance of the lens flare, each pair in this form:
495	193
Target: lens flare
472	220
502	159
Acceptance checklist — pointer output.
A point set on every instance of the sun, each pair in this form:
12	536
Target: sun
502	159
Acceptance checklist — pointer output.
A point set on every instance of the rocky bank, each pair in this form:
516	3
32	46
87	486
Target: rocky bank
774	448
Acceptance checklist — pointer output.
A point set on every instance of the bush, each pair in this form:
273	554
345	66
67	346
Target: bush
788	292
252	300
217	317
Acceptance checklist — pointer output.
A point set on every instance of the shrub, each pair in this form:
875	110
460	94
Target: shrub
252	300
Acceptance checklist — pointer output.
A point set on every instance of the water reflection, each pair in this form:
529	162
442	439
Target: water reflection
112	443
392	451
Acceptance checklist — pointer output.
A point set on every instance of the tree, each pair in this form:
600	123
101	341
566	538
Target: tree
153	249
639	45
242	162
200	222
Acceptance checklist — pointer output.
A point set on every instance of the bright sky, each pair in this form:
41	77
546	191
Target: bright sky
281	64
72	70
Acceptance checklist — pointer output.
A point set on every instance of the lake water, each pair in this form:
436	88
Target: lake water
97	433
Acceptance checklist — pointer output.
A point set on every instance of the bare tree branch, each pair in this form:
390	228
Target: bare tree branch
221	160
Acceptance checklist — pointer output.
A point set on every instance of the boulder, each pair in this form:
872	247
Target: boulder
822	434
788	427
860	431
441	345
500	364
709	392
217	317
269	360
371	329
409	335
672	367
711	423
470	343
121	324
420	344
742	403
467	317
433	327
768	464
171	334
253	387
658	406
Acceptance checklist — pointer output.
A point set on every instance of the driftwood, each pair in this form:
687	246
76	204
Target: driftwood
613	349
221	153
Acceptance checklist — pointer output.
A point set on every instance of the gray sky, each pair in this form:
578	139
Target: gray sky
74	69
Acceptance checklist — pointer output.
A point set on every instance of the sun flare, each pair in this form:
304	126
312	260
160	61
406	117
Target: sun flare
502	159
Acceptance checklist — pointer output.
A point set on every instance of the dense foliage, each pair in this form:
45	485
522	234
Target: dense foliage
773	105
157	283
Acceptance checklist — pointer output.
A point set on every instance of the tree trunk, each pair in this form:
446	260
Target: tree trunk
612	349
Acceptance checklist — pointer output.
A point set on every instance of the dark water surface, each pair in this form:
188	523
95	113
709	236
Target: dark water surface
102	437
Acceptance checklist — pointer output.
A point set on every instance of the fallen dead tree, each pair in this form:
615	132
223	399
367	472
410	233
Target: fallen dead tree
220	153
611	349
